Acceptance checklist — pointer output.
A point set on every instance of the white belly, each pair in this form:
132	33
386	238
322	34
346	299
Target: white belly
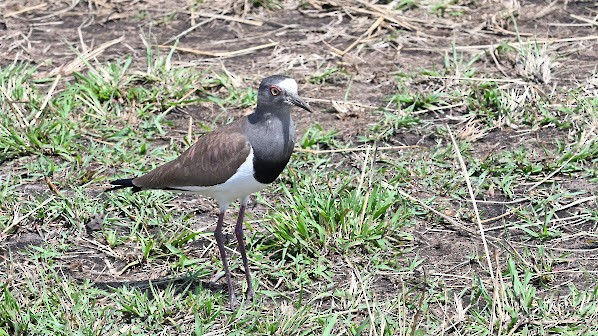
239	186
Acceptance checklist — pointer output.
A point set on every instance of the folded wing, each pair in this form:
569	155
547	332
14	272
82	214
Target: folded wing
211	161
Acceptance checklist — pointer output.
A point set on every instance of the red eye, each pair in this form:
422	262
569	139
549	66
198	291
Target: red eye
274	91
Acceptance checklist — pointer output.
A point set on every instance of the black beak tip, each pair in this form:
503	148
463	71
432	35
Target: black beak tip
308	108
302	104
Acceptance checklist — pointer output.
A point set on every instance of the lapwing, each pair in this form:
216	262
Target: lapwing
233	162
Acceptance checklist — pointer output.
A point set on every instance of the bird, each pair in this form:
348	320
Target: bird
233	162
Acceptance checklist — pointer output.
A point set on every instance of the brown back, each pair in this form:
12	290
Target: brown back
212	160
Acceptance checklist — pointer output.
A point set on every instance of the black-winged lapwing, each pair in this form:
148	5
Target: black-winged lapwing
234	161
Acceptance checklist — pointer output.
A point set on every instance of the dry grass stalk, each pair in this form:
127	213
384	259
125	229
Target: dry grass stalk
46	99
473	200
72	5
535	63
354	149
190	29
229	18
52	187
472	131
457	225
586	136
15	109
481	79
16	219
191	11
25	10
495	281
365	294
79	62
510	43
377	11
390	18
583	19
223	54
364	35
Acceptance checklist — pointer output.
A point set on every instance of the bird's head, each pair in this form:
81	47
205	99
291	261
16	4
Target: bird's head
280	90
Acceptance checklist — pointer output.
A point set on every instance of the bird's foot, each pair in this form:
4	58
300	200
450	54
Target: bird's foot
234	303
249	296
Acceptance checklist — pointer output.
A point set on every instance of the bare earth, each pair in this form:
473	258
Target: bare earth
304	40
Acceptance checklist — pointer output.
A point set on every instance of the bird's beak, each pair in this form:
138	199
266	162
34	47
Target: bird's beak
297	101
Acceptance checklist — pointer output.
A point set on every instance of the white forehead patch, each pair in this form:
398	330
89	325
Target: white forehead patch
289	85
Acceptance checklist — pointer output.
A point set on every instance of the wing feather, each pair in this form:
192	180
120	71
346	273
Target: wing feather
210	161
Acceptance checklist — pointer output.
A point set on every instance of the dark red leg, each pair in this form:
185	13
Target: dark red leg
241	243
220	241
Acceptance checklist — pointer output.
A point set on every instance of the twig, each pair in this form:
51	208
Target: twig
579	201
103	248
535	185
523	224
52	187
127	266
418	311
364	35
369	187
545	11
458	276
331	101
515	201
498	66
335	50
383	15
513	44
480	227
478	79
500	295
221	53
490	220
354	149
183	98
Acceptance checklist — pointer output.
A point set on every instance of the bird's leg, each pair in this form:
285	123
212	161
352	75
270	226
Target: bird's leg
220	241
241	243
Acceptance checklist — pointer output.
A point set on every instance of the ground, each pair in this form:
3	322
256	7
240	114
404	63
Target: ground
446	182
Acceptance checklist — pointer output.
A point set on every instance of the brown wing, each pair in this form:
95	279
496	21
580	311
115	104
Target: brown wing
211	160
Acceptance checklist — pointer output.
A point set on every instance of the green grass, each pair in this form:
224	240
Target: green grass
335	246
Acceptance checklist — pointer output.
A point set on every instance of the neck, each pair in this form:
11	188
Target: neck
271	133
261	111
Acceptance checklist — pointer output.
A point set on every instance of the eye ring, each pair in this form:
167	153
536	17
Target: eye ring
275	91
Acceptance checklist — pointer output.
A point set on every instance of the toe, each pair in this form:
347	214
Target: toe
234	303
249	296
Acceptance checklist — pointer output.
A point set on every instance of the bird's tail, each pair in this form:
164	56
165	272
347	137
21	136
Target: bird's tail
124	183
